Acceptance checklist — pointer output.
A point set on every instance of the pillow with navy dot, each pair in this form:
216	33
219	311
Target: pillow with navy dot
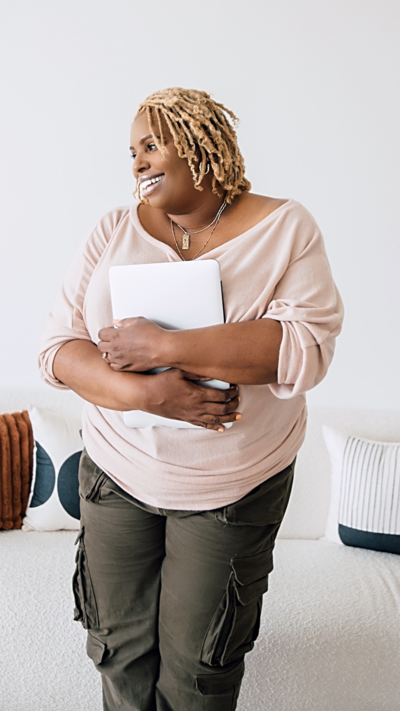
54	498
365	492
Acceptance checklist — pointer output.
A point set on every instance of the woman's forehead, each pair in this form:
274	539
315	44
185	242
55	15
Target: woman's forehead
140	128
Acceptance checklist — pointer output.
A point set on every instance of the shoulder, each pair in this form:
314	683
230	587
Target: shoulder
255	207
261	203
103	232
262	206
250	210
109	222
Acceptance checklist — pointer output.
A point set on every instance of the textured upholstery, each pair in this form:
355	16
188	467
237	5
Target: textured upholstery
330	634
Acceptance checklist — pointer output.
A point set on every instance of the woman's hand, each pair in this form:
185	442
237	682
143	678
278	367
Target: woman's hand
132	344
173	394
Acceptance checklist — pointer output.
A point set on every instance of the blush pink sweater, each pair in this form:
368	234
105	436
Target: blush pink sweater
277	269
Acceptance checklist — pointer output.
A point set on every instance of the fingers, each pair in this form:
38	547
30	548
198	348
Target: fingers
106	334
209	426
213	422
220	419
124	322
216	395
193	376
222	408
209	394
209	408
217	415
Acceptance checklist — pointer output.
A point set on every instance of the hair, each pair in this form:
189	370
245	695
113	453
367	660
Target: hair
199	125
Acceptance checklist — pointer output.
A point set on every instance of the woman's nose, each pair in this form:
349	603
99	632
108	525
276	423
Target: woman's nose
140	164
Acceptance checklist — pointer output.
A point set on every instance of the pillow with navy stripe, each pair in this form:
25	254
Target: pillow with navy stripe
54	498
365	492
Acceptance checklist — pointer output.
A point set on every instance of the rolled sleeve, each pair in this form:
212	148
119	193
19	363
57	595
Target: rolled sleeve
310	310
66	322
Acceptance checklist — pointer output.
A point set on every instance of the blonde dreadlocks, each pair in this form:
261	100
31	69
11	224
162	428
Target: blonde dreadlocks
198	124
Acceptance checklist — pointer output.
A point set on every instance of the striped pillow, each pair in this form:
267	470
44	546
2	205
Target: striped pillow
365	492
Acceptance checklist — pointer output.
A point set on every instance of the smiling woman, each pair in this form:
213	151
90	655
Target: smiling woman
179	525
201	133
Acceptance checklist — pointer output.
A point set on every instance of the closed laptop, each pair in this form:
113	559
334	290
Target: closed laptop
175	295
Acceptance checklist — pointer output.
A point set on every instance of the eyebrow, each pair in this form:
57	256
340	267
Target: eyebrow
142	140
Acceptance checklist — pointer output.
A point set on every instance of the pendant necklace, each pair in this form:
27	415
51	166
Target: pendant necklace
187	234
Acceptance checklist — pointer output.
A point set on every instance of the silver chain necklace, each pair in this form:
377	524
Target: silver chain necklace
215	220
187	233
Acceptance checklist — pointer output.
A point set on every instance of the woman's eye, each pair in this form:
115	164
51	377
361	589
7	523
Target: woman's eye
150	147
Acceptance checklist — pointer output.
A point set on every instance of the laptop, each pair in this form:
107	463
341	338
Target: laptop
175	295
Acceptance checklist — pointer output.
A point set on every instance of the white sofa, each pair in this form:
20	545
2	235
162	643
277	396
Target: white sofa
330	635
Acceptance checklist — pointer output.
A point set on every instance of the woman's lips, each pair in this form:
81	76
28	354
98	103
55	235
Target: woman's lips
148	186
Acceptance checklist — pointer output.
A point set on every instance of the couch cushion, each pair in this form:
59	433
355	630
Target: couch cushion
329	638
365	492
44	663
330	632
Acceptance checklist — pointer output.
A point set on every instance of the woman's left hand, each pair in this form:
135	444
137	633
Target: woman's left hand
132	344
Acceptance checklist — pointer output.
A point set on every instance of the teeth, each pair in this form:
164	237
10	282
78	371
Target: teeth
146	183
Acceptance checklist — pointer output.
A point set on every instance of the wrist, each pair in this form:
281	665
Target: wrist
132	391
167	351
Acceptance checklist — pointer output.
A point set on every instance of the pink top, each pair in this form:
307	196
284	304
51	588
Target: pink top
277	269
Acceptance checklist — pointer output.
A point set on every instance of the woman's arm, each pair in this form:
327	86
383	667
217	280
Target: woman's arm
79	365
243	353
172	393
246	353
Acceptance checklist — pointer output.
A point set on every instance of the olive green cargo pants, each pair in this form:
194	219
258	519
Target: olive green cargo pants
172	599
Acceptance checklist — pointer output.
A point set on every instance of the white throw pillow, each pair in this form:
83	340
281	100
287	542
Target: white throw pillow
365	492
54	498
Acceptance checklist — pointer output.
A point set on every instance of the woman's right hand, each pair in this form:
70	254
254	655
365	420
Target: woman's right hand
174	394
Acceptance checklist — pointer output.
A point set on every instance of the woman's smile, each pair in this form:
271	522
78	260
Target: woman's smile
149	183
163	178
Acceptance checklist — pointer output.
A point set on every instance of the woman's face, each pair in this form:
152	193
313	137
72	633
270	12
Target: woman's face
165	180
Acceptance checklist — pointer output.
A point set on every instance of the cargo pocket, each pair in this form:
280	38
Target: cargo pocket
85	601
220	683
262	506
236	623
95	649
91	478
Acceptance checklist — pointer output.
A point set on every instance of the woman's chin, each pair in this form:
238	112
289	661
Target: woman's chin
161	201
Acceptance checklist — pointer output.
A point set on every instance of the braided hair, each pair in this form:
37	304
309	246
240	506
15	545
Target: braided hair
198	124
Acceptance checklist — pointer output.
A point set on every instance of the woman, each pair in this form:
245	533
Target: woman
178	525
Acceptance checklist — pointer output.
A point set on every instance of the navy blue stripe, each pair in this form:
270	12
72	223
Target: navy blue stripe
384	542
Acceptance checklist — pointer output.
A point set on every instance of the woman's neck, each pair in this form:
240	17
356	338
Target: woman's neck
200	215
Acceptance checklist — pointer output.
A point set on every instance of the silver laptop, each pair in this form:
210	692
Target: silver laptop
175	295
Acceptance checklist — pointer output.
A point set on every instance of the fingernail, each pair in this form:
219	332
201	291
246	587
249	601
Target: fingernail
238	417
221	429
239	398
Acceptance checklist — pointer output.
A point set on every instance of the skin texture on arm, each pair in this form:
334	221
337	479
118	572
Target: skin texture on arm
79	365
243	353
246	353
173	394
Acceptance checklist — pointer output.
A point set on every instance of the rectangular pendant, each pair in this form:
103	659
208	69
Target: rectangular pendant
185	242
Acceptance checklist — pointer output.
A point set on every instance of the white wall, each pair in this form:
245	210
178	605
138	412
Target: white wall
316	85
